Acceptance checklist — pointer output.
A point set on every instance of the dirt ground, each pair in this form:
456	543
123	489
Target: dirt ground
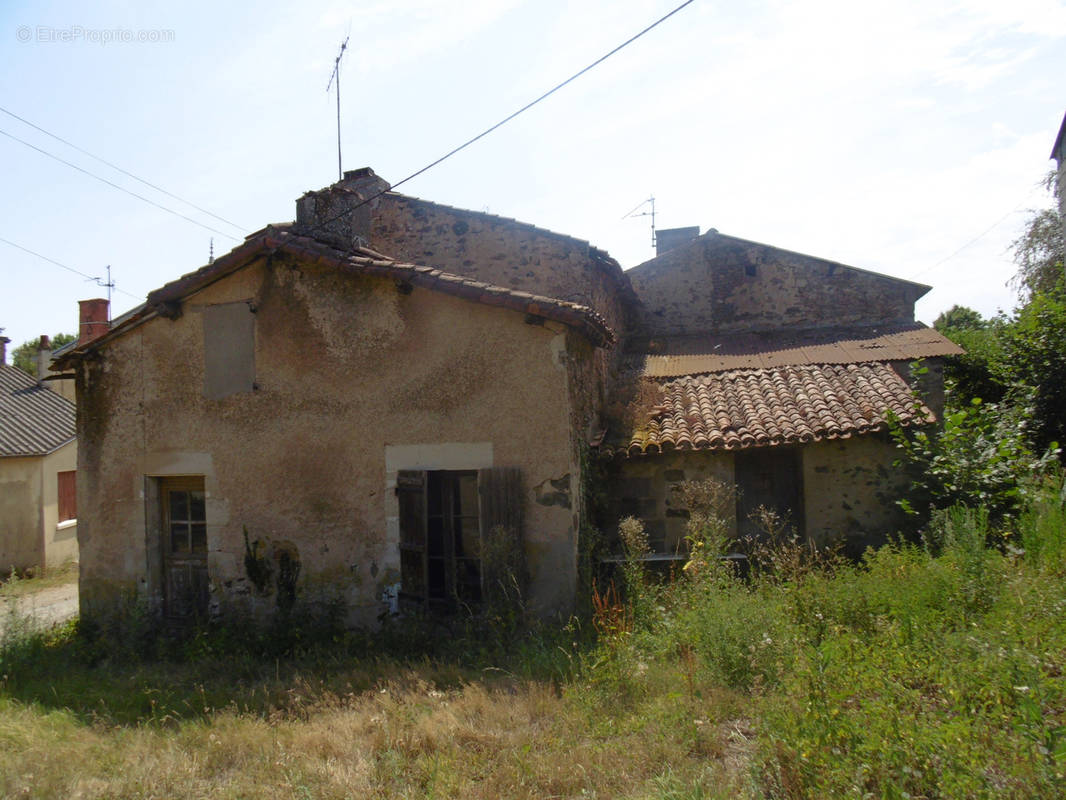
45	608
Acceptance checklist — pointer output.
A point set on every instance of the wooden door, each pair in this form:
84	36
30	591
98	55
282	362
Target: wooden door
771	478
184	543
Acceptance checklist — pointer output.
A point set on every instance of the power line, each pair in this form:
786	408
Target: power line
978	237
119	169
510	117
64	266
120	188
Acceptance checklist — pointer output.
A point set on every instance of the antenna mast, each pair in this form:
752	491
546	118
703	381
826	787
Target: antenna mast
110	284
336	76
633	213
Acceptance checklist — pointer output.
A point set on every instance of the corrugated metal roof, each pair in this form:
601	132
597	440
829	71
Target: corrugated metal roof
696	355
34	420
741	409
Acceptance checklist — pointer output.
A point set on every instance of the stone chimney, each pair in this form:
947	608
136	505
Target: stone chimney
3	350
341	214
44	358
670	238
92	320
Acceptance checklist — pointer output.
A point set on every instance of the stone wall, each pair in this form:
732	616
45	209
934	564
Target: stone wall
722	284
348	370
849	491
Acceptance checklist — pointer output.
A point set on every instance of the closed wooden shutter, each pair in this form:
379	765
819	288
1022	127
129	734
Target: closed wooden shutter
503	566
68	495
411	493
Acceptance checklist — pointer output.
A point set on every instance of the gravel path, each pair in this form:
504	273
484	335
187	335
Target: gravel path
45	608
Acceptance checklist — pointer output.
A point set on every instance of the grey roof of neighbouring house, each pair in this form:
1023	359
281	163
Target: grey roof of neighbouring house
34	420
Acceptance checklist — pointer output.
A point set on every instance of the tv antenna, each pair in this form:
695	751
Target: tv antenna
336	77
110	284
636	212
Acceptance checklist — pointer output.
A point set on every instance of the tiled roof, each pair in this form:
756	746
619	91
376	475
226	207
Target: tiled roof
34	420
762	407
280	238
695	355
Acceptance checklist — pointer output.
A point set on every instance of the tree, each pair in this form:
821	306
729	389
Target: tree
960	318
1039	251
25	355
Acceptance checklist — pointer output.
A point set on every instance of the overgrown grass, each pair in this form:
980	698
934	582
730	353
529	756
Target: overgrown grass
931	670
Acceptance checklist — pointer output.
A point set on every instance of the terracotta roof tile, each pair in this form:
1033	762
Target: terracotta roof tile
793	404
280	238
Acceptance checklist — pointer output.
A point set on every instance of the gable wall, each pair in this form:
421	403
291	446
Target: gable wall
706	286
21	521
346	367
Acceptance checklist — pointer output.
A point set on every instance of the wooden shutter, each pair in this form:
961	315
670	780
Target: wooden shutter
68	495
411	493
503	554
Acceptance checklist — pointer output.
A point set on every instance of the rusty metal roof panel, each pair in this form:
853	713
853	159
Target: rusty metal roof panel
697	355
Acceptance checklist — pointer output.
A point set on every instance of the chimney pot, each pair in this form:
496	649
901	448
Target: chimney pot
92	320
3	349
44	357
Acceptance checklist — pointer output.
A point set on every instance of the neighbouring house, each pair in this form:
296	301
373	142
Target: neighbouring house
38	462
365	406
773	372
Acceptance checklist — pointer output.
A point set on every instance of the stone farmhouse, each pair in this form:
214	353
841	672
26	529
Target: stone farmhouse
361	407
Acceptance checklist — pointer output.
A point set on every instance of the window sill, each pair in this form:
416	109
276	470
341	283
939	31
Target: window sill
67	523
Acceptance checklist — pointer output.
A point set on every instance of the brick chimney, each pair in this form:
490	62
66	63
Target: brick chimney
3	350
92	320
340	214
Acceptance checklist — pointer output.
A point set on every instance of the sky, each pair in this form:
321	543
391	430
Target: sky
908	138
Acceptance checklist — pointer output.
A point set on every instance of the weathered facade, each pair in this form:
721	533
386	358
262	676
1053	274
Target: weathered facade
277	423
38	458
357	408
774	373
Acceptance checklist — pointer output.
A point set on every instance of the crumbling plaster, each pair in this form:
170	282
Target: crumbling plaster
346	367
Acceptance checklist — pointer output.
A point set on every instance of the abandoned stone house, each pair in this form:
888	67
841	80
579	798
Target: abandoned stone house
359	406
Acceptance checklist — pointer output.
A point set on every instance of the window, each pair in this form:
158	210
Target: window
68	495
229	350
445	517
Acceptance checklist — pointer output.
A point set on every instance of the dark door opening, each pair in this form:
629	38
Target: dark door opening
184	543
770	479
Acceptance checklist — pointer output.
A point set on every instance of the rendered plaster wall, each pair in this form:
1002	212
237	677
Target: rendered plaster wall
645	487
21	522
347	368
850	489
722	285
60	539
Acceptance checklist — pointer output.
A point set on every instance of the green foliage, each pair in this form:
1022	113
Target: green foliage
25	355
1034	356
1038	252
960	318
979	456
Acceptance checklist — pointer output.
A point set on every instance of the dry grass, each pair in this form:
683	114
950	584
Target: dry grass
404	738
